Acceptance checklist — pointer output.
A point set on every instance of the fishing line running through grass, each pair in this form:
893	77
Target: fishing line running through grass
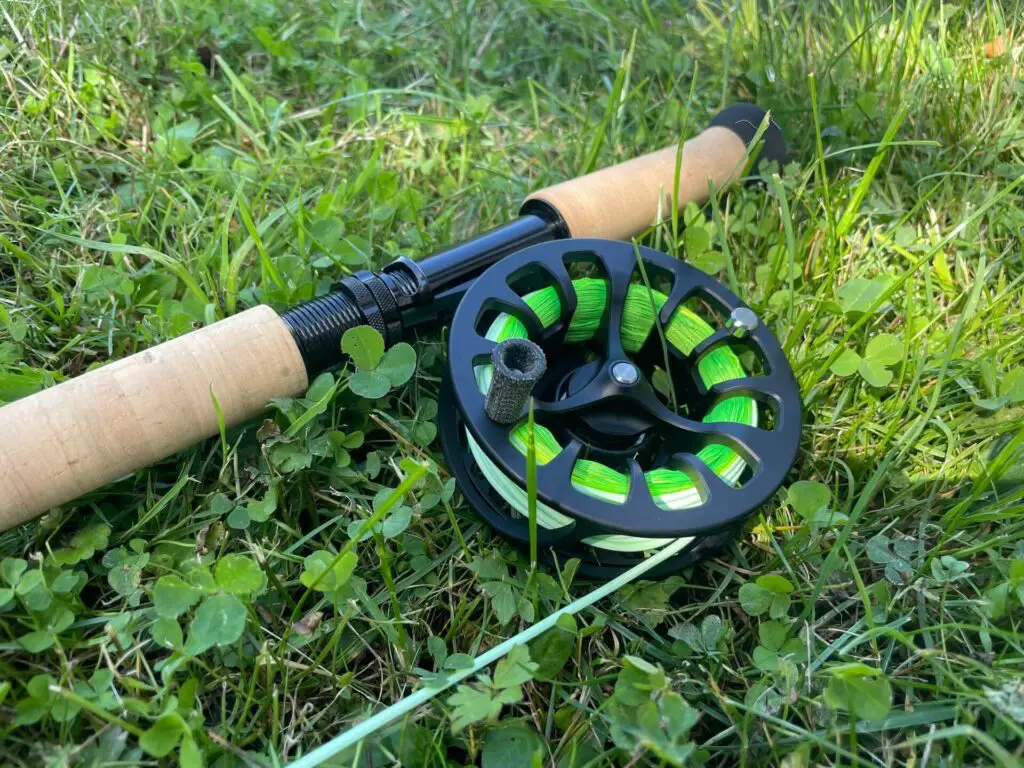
430	689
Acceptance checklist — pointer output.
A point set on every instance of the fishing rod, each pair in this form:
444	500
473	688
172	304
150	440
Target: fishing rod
553	306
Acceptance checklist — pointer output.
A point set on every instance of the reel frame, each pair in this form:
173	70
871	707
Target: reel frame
768	453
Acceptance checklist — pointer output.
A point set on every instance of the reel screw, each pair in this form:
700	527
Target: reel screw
518	364
625	373
742	322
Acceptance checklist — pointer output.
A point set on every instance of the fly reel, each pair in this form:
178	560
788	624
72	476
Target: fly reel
663	408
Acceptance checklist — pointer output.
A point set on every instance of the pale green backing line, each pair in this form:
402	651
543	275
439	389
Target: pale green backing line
371	725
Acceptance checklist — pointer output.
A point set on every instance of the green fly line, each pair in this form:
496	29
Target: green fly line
671	489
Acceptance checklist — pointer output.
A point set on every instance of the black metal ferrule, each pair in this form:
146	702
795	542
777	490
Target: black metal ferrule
448	274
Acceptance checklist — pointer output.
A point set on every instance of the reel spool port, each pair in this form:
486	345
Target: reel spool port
665	410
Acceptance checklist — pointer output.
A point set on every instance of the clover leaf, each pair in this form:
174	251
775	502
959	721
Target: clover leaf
172	596
239	574
859	294
882	352
768	593
377	372
861	690
364	345
219	620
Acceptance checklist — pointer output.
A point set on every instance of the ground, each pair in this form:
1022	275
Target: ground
170	162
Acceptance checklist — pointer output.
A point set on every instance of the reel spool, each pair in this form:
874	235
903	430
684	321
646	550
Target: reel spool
620	472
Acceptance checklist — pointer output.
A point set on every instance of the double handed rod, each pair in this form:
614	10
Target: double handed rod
68	440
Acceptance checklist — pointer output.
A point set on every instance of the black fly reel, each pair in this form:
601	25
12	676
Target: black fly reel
665	410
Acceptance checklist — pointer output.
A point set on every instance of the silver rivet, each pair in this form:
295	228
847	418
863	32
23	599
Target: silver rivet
625	373
742	322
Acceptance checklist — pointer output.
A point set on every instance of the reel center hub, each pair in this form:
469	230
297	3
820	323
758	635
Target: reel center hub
625	373
609	434
604	419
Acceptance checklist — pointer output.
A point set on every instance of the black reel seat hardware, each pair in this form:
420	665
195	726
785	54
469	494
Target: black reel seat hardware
605	392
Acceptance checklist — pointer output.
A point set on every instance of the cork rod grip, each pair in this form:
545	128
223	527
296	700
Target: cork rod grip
73	438
624	200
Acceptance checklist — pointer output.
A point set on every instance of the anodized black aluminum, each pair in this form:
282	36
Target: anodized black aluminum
446	275
770	453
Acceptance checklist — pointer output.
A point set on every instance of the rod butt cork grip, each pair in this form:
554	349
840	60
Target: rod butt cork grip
70	439
622	201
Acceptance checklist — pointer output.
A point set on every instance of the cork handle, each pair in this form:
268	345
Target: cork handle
75	437
624	200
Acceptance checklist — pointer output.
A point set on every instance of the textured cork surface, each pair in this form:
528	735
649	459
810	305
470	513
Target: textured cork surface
73	438
624	200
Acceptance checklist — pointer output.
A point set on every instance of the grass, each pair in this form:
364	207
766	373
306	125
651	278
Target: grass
167	163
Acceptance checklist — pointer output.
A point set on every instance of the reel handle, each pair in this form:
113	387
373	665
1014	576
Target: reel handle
621	201
70	439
